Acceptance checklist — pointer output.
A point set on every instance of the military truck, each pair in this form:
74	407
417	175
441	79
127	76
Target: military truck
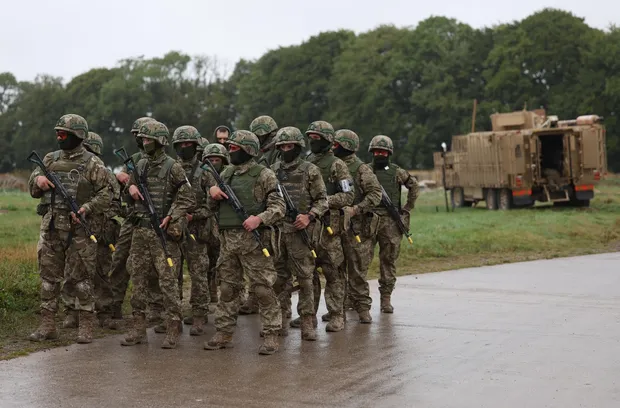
526	157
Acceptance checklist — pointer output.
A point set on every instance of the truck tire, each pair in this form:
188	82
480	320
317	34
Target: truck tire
458	198
504	201
490	197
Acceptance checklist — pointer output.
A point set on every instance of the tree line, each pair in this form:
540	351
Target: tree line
415	85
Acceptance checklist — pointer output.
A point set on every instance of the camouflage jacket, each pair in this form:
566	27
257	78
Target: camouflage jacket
338	173
368	186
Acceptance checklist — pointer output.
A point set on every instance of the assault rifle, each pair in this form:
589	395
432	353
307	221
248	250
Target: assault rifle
293	213
148	201
233	201
58	187
395	214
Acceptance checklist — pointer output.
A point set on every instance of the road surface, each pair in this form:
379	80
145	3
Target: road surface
535	334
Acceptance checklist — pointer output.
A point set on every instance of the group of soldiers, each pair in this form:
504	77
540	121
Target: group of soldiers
254	215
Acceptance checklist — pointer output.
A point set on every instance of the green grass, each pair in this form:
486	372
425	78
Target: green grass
467	237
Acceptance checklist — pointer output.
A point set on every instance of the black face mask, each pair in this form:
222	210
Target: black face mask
139	143
187	152
152	148
70	143
381	161
319	145
290	155
239	157
342	152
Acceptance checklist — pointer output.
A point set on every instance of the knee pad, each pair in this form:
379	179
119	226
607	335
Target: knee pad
83	289
228	292
262	291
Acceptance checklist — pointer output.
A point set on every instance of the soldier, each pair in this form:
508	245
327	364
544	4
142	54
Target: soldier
221	134
65	253
340	193
172	198
106	229
120	269
392	178
303	182
265	128
256	188
218	156
185	142
359	221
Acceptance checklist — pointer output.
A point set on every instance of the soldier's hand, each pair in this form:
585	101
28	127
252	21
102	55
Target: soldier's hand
122	177
302	221
216	193
164	223
135	193
75	218
189	217
43	183
252	223
350	211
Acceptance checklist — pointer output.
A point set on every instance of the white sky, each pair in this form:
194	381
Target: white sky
68	37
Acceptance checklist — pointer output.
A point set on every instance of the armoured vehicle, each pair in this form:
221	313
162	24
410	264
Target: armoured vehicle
526	157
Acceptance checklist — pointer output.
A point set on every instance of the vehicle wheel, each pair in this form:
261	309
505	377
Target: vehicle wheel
505	199
490	198
458	198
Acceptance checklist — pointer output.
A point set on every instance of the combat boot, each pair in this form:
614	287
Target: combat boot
71	320
189	320
270	344
296	323
104	319
219	341
336	323
325	317
137	334
308	332
197	326
85	331
283	332
250	306
172	334
47	328
160	327
386	304
365	317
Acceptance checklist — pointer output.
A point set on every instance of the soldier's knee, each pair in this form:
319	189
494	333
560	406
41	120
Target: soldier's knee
83	289
228	292
262	291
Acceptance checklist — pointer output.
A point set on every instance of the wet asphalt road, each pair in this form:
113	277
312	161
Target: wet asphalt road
536	334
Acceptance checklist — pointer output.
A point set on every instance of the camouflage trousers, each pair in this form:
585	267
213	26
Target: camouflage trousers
240	254
196	256
149	265
389	238
70	262
295	259
330	259
103	288
357	259
213	252
119	270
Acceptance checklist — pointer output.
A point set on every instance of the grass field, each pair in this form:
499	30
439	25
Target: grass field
464	238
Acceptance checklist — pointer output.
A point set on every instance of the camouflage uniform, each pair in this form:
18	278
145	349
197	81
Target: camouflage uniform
107	229
172	198
392	178
330	257
363	224
304	184
65	254
213	234
195	249
255	187
265	128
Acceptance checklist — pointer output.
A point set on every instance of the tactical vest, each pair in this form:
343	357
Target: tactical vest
294	180
354	167
158	185
243	186
387	179
71	174
325	165
194	175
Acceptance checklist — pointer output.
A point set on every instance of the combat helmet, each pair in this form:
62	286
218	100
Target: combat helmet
202	142
137	124
216	150
320	127
381	142
246	140
263	125
290	134
74	124
186	134
94	143
156	131
348	139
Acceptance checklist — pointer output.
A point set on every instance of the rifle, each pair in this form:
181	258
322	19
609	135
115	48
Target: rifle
148	201
58	186
395	214
293	213
233	201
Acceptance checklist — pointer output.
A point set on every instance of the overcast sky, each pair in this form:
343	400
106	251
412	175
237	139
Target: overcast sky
68	37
